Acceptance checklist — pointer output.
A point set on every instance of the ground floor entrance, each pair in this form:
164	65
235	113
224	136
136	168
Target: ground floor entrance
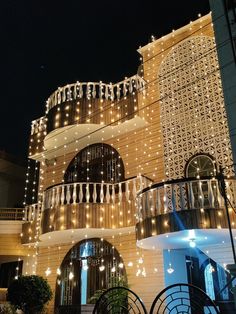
90	267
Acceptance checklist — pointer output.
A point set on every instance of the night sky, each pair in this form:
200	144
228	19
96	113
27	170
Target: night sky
47	43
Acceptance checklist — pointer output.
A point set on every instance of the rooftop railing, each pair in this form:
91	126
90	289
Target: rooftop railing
88	90
95	90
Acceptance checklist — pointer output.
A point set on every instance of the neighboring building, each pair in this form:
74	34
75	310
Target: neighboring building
12	252
224	16
12	181
128	177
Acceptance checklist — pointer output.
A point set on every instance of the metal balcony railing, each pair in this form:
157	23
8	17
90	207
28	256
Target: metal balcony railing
183	194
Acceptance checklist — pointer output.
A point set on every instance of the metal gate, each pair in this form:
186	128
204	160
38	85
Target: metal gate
178	298
119	300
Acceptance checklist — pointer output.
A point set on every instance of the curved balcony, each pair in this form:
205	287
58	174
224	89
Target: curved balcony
171	214
92	90
83	108
100	208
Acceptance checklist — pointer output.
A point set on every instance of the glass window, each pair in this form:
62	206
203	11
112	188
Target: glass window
200	166
96	163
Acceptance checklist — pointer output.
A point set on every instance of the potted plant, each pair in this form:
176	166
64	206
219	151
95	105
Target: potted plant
29	294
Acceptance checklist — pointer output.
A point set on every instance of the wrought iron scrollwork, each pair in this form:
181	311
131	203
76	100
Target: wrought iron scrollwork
119	300
183	298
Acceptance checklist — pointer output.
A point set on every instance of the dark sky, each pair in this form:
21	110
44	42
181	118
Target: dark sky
47	43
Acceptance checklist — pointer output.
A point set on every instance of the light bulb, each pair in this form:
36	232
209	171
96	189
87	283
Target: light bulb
113	269
144	272
71	275
192	243
130	264
101	268
48	271
211	269
138	272
121	265
170	270
140	260
58	271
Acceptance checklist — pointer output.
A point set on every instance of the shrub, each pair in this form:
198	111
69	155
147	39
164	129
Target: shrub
7	309
114	281
29	293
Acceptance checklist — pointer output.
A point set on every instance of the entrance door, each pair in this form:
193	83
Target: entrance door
90	266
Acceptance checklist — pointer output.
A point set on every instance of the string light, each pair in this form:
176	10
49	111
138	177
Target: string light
48	271
71	275
192	243
102	268
170	270
147	158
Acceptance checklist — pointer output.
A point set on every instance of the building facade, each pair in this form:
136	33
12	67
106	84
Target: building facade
12	252
128	183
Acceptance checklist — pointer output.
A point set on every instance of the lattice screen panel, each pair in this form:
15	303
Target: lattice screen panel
192	108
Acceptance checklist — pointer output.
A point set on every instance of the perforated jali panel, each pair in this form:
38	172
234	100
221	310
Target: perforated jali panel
192	106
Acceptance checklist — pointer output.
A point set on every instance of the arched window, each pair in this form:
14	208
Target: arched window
200	166
96	163
89	266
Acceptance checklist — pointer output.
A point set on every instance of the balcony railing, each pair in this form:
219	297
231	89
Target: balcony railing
11	213
184	194
84	192
31	212
39	125
95	90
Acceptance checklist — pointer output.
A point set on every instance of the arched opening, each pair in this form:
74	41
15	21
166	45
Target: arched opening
214	279
96	163
88	267
201	165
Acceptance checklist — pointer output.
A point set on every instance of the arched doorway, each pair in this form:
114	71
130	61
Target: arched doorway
90	265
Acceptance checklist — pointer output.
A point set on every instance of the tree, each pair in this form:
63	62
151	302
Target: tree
29	293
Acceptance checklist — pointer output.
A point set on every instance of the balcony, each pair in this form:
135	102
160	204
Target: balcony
11	220
98	208
92	90
172	213
11	214
83	108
